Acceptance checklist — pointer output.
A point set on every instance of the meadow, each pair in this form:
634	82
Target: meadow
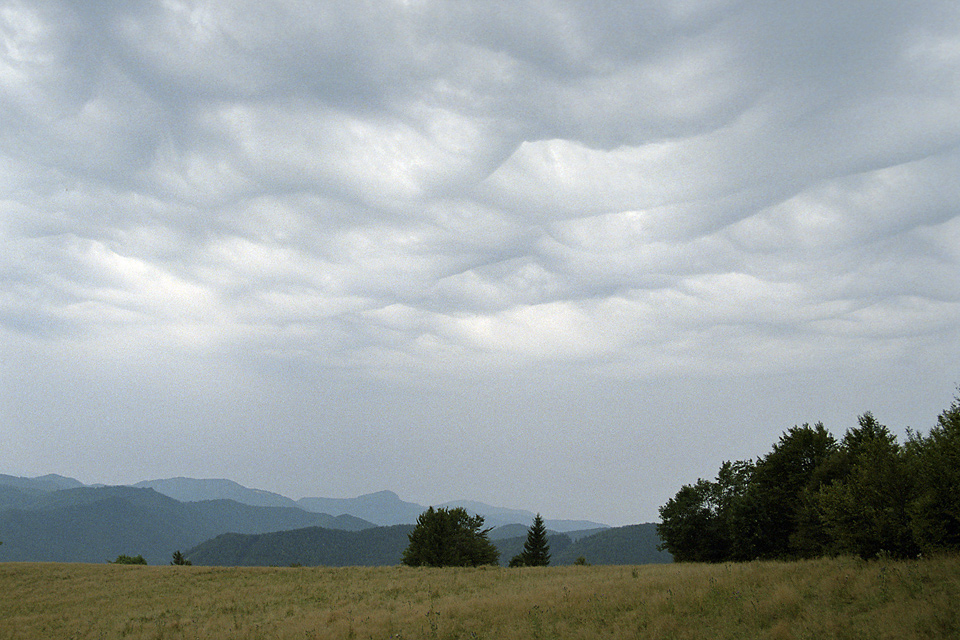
828	598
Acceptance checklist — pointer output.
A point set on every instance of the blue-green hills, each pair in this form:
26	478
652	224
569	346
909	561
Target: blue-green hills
219	522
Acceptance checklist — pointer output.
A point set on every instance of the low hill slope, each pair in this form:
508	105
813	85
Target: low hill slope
313	546
633	544
13	498
232	517
95	524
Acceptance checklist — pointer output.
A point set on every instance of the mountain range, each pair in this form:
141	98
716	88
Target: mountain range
383	508
53	518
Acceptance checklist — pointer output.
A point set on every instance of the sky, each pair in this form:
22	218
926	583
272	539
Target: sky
557	256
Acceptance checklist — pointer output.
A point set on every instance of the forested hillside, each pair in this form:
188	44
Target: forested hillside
310	547
635	544
94	524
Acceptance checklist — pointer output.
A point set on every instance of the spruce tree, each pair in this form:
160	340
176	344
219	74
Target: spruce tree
536	550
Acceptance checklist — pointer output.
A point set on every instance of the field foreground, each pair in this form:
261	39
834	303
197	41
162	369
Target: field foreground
836	598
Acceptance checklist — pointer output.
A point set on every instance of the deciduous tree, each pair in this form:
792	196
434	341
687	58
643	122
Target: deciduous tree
812	496
771	512
865	511
690	527
935	461
449	538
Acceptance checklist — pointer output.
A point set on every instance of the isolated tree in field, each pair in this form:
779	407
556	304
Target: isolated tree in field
180	560
449	538
125	559
536	550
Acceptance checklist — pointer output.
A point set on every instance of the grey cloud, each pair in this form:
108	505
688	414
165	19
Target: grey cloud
443	200
232	142
347	54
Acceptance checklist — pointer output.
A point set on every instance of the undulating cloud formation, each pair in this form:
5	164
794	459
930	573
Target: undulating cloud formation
556	255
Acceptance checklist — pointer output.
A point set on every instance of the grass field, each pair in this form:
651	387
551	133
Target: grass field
835	598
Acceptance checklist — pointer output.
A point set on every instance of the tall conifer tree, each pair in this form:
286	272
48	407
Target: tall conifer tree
536	550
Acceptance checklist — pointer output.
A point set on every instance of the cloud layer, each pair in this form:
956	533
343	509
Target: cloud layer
388	193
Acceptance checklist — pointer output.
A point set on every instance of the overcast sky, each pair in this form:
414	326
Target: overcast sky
560	256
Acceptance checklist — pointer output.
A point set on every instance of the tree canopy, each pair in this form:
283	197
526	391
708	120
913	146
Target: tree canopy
125	559
866	495
449	538
934	461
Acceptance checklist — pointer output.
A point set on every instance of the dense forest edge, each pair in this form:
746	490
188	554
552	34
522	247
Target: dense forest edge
813	495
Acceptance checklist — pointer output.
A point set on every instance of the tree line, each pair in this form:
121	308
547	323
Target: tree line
813	495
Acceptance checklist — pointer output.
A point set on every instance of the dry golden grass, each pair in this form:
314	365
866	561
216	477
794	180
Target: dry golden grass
836	598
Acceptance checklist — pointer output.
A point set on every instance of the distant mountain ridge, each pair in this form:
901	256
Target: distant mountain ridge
500	516
54	518
49	482
95	524
194	490
382	508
